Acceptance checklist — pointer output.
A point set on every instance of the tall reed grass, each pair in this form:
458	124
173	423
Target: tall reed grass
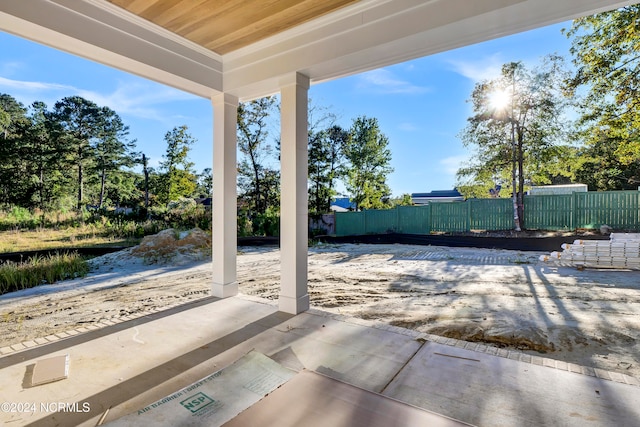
41	270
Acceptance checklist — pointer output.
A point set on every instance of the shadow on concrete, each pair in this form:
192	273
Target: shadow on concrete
43	350
134	386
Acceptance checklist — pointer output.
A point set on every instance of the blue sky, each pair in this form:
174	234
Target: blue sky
420	105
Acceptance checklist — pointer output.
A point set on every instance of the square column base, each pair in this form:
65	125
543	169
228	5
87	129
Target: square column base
293	305
226	290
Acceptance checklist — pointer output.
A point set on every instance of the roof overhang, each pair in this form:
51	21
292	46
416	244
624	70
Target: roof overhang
363	36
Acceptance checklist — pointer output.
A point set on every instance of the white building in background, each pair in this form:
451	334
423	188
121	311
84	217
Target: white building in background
558	189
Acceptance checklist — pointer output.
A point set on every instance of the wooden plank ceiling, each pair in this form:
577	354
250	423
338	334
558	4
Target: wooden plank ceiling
226	25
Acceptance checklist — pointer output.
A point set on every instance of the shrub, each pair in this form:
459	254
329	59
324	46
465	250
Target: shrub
267	224
41	270
185	213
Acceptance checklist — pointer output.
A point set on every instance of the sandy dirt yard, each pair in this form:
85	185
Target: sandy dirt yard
503	298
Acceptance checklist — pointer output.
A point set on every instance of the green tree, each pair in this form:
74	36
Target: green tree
111	150
124	188
205	183
403	200
326	142
599	166
258	183
606	53
368	165
177	180
516	131
13	124
46	162
76	123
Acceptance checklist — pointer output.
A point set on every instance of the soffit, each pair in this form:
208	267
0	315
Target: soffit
224	26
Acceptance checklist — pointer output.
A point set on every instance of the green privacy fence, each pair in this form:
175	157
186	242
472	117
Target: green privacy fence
618	209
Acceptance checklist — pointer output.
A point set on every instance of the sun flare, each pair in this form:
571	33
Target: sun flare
499	99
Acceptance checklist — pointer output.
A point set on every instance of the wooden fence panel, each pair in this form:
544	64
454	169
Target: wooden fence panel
453	217
617	209
491	214
350	223
414	219
549	212
381	221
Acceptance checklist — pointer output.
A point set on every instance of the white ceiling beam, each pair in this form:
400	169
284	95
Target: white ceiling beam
99	31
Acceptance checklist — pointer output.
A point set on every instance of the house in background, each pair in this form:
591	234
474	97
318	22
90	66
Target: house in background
420	199
342	204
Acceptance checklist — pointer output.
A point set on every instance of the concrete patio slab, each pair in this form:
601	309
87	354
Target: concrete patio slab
486	390
117	370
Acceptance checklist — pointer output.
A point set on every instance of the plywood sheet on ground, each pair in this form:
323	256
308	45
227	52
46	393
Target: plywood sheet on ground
314	400
215	399
49	370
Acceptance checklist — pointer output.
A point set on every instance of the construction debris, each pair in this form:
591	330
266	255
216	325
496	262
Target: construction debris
49	370
621	251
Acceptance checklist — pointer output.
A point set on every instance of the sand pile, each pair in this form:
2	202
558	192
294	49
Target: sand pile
167	247
173	246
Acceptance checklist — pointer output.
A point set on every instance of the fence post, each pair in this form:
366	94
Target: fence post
468	202
574	209
430	217
364	219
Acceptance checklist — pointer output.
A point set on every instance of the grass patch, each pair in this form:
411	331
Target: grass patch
72	237
41	270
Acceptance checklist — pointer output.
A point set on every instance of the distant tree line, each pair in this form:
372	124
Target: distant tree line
78	154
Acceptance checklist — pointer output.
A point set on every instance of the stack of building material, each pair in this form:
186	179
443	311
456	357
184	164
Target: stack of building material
621	251
627	237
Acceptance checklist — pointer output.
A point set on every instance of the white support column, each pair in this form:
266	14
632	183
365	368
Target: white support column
294	298
224	241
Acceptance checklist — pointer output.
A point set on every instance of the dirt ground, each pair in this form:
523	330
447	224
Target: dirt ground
504	298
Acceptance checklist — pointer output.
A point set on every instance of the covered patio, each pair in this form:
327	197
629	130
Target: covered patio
239	50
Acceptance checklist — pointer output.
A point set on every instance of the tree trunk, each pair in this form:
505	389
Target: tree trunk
41	188
514	186
521	180
80	179
260	208
146	181
103	180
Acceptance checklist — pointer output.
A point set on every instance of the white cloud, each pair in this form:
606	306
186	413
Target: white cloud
484	69
450	165
140	100
31	86
385	82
